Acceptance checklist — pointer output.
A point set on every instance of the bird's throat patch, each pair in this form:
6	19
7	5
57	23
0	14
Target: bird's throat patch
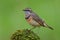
27	17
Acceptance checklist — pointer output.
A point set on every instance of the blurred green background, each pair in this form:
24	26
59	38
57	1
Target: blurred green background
12	17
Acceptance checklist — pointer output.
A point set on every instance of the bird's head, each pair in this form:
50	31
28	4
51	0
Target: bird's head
27	9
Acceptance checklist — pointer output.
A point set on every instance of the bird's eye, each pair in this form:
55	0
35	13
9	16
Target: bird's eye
27	10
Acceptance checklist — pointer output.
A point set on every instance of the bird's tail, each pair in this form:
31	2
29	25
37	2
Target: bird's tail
48	26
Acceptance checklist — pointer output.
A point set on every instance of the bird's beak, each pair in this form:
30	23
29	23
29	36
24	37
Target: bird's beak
24	10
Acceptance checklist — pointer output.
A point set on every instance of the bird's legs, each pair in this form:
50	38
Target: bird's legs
32	28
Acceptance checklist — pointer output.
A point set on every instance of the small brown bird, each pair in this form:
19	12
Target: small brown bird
33	19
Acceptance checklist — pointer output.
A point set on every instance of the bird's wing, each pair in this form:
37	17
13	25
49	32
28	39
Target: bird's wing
37	19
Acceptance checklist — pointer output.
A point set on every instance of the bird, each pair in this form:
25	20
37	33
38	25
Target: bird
33	19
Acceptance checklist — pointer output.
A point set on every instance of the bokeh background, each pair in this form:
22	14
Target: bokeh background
12	17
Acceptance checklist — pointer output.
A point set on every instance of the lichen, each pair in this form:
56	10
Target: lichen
24	35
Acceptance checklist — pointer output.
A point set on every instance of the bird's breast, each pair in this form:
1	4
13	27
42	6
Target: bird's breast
31	21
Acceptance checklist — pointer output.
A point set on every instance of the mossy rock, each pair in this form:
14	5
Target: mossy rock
24	35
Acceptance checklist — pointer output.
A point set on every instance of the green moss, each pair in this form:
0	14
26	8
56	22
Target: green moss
24	35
